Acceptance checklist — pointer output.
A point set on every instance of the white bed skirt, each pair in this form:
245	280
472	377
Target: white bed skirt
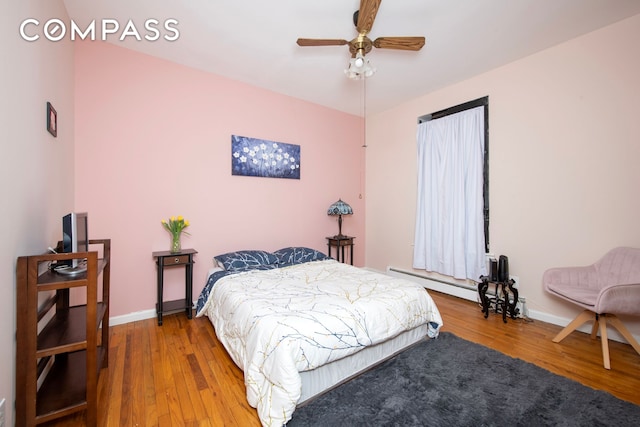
326	377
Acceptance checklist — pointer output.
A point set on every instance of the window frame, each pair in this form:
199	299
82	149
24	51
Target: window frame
484	101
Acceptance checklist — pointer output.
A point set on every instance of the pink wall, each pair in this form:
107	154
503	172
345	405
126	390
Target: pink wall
36	167
153	139
563	165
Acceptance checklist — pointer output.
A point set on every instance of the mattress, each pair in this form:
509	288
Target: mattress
295	331
326	377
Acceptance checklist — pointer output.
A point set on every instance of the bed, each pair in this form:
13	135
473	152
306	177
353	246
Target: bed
298	323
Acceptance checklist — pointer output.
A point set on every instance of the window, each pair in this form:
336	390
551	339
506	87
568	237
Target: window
452	220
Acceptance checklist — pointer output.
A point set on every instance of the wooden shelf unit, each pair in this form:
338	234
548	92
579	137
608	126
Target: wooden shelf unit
61	348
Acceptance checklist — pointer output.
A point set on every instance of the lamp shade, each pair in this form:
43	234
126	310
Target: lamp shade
359	68
340	208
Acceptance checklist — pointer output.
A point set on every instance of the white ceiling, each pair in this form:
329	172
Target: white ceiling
254	41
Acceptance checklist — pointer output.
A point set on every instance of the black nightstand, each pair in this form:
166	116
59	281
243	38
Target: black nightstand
505	299
341	242
165	259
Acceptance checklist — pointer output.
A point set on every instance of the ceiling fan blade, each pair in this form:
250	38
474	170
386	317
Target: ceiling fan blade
321	42
401	43
366	15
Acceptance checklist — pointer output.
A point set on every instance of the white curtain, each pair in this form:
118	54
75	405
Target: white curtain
449	235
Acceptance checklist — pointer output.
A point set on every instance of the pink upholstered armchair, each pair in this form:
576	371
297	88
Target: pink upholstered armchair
610	286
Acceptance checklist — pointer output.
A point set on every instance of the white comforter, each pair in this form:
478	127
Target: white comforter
277	323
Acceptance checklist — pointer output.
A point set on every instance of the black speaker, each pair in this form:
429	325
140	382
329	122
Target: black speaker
493	269
503	268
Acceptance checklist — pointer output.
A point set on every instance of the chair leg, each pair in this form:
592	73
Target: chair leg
601	321
604	341
616	323
599	324
583	317
594	328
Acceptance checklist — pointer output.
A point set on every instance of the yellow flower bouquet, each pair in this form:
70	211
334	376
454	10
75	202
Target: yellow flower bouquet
176	226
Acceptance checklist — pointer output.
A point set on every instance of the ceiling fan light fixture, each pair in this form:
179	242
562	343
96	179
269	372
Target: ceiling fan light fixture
363	18
359	67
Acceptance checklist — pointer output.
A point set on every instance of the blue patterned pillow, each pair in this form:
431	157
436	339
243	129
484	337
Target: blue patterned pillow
298	255
242	260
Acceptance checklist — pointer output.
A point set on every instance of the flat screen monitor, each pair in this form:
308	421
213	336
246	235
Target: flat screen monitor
75	237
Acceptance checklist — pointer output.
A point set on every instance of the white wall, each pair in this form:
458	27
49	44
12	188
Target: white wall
36	171
564	138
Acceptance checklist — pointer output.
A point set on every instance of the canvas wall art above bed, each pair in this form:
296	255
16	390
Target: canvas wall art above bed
298	322
260	157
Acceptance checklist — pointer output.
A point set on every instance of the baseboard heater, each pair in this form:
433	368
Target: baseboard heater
460	290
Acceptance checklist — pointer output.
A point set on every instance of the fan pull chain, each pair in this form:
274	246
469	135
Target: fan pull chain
364	110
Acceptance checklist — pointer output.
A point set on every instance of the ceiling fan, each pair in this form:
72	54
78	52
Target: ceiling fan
361	45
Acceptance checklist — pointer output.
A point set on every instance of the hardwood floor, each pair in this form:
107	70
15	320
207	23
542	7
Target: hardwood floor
179	374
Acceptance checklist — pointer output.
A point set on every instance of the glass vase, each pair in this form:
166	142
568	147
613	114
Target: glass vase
175	243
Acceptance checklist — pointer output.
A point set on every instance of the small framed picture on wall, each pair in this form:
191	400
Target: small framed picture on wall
52	120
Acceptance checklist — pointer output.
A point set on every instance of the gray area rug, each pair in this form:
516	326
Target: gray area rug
453	382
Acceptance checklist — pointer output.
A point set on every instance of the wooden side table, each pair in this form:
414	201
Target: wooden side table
166	259
341	242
